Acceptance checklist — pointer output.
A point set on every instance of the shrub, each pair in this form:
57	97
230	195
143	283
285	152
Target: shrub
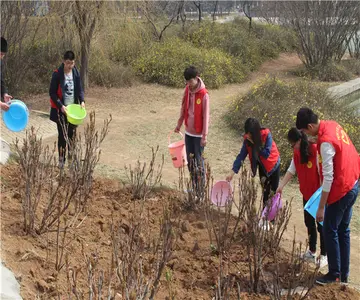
130	40
352	65
275	104
105	72
284	39
228	37
330	72
165	62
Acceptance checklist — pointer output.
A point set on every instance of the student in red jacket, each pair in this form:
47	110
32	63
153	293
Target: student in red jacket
263	154
340	172
306	164
195	111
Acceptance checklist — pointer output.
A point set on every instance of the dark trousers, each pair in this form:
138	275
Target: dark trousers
271	183
337	233
195	160
312	232
71	130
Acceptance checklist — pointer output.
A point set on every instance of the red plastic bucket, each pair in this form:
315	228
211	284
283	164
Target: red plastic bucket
177	152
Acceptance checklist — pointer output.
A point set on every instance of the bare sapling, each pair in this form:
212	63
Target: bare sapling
262	241
139	260
298	278
42	182
145	177
223	222
228	285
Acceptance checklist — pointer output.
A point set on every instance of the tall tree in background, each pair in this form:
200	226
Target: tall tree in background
160	14
199	9
323	28
86	16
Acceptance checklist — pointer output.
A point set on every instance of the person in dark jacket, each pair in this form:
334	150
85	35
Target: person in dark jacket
65	89
4	95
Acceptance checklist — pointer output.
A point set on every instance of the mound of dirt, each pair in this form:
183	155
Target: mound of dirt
193	266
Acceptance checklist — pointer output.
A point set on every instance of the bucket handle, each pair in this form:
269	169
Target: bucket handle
171	132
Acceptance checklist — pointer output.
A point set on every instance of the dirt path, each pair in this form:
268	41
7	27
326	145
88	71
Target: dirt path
144	115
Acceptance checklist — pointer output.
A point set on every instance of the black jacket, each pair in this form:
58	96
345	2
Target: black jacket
57	90
3	86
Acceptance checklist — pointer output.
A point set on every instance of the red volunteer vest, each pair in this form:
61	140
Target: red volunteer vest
270	162
308	175
346	159
59	94
198	110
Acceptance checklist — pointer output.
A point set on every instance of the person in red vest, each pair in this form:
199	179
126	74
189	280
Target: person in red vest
65	89
306	164
263	154
195	111
340	173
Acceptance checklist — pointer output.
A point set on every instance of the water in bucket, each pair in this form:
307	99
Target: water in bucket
177	152
312	204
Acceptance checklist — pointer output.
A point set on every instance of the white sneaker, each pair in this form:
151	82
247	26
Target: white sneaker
264	225
322	261
309	256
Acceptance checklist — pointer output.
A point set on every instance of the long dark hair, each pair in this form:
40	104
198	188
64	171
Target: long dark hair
253	127
294	135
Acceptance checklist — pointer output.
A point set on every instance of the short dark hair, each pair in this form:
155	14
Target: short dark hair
305	116
69	55
190	73
4	45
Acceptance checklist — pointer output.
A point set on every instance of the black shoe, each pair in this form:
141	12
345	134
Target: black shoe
327	279
344	280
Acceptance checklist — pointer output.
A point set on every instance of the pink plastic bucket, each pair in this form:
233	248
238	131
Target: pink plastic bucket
276	205
221	193
178	152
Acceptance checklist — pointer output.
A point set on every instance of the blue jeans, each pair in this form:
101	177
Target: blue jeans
194	152
337	233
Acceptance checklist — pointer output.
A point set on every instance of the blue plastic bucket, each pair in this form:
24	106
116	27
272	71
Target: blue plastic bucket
17	116
312	204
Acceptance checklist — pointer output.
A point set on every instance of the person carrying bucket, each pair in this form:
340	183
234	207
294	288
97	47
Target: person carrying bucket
263	154
65	89
340	175
306	164
4	95
195	111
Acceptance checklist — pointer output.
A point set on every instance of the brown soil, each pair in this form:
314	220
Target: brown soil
194	268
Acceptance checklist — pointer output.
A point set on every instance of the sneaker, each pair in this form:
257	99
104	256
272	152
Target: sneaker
344	280
310	256
327	279
322	261
264	225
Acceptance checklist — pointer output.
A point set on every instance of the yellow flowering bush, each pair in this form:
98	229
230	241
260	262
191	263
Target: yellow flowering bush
165	63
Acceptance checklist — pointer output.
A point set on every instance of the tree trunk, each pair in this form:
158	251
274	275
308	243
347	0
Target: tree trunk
84	74
215	10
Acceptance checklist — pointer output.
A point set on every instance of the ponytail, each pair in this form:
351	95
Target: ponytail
304	149
294	135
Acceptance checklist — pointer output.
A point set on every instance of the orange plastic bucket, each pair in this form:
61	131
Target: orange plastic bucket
178	152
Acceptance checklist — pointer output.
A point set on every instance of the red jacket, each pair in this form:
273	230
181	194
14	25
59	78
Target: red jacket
346	159
198	108
308	173
270	161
